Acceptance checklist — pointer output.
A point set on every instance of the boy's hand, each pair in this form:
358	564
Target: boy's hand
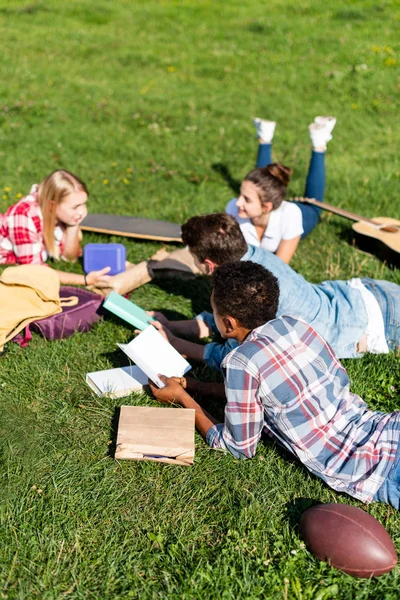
165	331
159	317
172	392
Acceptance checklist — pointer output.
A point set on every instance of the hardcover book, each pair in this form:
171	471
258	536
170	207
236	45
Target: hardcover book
127	310
117	383
158	434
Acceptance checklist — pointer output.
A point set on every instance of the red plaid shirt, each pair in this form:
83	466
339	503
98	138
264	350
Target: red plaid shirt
21	232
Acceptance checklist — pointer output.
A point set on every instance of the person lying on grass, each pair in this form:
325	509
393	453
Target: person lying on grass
45	224
354	316
263	214
283	379
265	217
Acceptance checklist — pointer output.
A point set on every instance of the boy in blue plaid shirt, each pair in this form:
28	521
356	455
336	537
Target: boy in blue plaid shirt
284	380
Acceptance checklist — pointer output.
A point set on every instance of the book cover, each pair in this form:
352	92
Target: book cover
155	356
127	310
161	434
117	383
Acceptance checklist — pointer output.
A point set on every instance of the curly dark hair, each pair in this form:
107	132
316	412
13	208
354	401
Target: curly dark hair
247	292
215	237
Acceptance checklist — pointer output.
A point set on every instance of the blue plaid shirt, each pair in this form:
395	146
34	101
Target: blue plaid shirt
285	380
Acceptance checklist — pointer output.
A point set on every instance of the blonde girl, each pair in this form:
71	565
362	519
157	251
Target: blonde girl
45	224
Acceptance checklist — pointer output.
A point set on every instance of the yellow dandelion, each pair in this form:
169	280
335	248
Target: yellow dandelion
105	181
7	189
4	197
125	180
390	62
354	106
171	69
376	49
114	164
19	195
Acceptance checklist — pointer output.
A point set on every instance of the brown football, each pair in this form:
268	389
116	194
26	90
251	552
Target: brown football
349	539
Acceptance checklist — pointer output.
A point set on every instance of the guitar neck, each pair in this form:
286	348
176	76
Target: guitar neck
335	210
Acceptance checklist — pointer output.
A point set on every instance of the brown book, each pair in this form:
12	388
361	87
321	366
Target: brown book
158	434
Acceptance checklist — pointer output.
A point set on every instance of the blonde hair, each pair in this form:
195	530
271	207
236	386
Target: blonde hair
51	192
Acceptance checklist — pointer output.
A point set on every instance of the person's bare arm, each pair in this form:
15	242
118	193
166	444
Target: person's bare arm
205	388
190	350
72	242
195	328
173	393
75	279
287	248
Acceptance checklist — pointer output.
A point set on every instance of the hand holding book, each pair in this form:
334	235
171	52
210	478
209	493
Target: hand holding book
171	393
165	332
154	354
127	310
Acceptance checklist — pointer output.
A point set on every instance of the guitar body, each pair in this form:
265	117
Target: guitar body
384	244
379	236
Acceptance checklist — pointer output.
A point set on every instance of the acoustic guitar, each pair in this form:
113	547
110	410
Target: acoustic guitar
384	230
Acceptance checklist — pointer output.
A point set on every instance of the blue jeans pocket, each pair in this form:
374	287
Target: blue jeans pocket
389	492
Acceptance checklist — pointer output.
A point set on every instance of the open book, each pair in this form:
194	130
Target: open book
155	356
117	383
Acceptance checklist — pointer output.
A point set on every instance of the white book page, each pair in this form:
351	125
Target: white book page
117	381
155	356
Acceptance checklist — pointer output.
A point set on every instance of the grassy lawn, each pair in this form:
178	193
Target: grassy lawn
151	103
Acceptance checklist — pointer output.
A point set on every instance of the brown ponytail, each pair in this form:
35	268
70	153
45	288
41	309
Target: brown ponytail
272	182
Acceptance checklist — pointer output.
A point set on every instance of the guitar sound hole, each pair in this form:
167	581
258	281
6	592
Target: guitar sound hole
390	229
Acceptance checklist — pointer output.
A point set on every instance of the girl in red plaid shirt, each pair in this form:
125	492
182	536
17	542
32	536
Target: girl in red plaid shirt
45	224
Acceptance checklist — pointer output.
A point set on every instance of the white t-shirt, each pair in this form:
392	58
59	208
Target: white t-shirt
284	223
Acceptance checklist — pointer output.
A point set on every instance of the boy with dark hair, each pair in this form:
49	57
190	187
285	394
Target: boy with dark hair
283	379
353	316
215	237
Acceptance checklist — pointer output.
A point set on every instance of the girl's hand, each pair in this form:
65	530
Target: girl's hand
99	278
172	392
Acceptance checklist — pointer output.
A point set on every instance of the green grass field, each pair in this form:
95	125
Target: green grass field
151	103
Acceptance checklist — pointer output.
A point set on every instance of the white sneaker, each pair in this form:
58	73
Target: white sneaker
320	135
265	130
328	122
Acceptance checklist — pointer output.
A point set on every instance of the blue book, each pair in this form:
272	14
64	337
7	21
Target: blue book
127	310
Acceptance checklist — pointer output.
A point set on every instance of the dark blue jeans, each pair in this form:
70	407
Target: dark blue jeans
315	184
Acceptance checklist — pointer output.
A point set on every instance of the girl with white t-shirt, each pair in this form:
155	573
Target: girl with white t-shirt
265	217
